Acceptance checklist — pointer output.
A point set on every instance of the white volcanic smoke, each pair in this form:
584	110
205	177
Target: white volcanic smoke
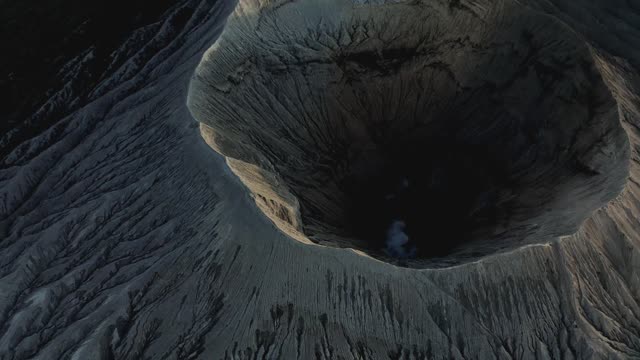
397	239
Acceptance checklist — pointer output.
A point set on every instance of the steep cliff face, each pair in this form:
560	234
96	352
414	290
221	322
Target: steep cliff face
474	130
124	236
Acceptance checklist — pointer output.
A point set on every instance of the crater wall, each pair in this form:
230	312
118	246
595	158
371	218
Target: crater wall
423	133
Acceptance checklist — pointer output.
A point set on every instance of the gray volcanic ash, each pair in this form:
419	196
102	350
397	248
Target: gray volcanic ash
488	148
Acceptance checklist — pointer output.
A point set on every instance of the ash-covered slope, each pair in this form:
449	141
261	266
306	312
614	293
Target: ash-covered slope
124	236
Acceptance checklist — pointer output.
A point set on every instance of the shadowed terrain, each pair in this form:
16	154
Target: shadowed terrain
44	40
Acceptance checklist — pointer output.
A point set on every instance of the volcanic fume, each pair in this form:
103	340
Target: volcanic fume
422	134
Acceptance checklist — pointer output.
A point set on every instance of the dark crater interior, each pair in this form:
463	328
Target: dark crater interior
443	147
447	196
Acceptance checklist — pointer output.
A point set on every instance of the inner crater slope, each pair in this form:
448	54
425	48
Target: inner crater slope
424	134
